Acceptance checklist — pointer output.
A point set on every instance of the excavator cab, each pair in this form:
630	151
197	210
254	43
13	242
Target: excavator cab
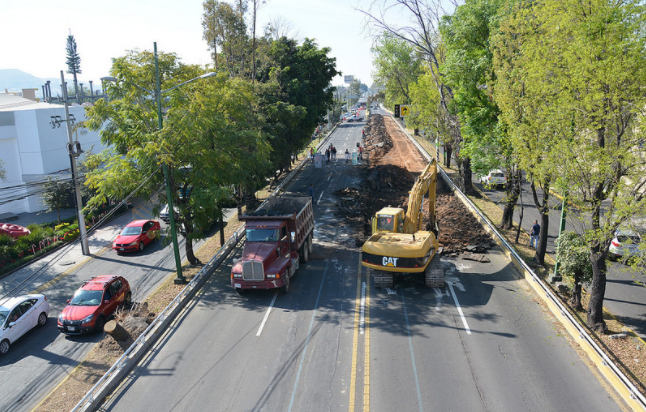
388	219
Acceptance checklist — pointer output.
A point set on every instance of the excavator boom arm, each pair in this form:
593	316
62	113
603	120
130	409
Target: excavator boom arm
426	183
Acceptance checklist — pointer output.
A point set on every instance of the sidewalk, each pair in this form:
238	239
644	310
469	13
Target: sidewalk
68	257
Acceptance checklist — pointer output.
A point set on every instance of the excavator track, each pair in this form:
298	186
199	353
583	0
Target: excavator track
383	279
434	273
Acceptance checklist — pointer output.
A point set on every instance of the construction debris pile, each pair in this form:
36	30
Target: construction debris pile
388	185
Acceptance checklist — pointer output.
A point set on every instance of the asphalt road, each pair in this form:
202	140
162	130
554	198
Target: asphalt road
625	288
482	343
41	359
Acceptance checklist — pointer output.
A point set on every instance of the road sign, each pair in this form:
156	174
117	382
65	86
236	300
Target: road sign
397	110
404	110
348	79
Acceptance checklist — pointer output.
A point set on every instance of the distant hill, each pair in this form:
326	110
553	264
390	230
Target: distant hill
15	80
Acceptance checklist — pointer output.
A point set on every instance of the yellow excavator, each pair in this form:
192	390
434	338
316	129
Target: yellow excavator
398	244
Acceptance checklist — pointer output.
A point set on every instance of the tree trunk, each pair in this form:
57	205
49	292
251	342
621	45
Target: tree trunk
467	176
118	332
597	291
448	152
188	244
522	207
542	238
512	197
221	230
576	294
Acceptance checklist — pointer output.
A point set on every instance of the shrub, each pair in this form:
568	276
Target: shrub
70	236
6	240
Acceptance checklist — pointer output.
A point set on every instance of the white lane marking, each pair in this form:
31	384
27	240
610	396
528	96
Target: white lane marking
317	202
264	320
329	177
457	304
391	291
362	311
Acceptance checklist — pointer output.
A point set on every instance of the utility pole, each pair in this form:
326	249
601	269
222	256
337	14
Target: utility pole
74	150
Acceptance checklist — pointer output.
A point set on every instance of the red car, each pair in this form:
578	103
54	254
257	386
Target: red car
93	304
136	235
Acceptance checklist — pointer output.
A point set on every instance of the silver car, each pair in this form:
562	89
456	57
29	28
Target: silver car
625	244
494	178
19	315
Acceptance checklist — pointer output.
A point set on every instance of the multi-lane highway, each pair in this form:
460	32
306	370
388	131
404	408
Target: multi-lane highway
335	343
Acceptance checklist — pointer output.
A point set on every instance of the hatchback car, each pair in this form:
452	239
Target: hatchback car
19	315
93	304
494	178
625	244
136	235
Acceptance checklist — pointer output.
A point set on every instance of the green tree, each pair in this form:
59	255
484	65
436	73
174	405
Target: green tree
225	30
469	71
422	33
397	66
295	96
210	139
579	70
73	62
57	194
574	260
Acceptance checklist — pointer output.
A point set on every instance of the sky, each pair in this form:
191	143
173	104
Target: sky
34	32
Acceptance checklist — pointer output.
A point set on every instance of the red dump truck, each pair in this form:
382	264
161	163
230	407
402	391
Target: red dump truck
279	235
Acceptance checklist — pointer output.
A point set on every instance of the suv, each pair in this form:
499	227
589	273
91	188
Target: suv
93	304
494	178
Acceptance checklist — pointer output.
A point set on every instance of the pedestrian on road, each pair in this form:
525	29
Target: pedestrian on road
334	152
312	192
533	235
311	152
360	153
327	154
347	155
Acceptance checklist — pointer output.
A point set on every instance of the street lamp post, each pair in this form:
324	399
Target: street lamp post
179	279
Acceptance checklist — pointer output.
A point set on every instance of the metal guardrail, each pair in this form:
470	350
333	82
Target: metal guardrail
129	359
583	335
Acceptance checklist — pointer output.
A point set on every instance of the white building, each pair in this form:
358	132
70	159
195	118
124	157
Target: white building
32	150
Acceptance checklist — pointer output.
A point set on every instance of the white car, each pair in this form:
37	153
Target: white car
354	119
19	315
494	178
625	244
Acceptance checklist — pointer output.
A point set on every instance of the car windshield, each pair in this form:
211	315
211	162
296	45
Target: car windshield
262	235
87	298
131	231
3	316
497	175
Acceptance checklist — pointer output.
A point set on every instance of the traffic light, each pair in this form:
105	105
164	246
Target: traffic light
396	110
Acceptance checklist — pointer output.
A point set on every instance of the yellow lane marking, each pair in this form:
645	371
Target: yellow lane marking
366	372
355	341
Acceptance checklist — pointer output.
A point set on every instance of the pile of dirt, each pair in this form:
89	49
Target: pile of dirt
394	163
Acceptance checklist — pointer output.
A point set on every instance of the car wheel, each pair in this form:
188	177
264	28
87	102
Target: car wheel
141	246
100	323
4	347
310	241
285	287
304	252
127	302
42	319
